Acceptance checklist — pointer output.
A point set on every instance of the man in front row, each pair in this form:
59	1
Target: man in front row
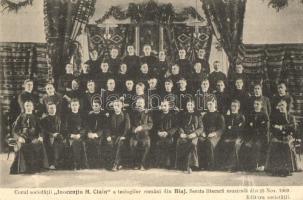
141	124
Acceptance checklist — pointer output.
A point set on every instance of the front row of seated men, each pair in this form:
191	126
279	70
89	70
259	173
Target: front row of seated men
175	140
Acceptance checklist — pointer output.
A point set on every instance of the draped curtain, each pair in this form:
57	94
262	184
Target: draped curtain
64	21
226	20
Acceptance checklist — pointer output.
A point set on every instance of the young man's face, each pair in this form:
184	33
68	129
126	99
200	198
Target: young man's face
52	109
130	50
165	106
282	89
239	84
129	85
198	67
182	53
28	86
50	90
96	107
175	69
168	86
201	53
144	68
216	65
220	86
75	85
211	106
75	106
139	90
257	106
69	69
114	53
239	69
117	106
111	84
147	50
94	55
123	68
258	91
234	107
190	106
140	103
91	86
28	107
85	68
104	67
205	85
162	56
183	84
152	83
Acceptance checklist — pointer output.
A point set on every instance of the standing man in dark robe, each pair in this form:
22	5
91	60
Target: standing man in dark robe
52	129
109	95
238	74
216	75
30	152
183	94
149	59
84	77
128	95
223	98
169	95
196	76
119	125
53	97
122	76
191	128
175	74
232	139
103	75
90	95
203	95
167	129
256	139
97	132
144	74
74	134
241	95
258	94
141	124
114	61
94	63
214	126
65	81
282	95
201	59
184	63
162	67
132	60
281	157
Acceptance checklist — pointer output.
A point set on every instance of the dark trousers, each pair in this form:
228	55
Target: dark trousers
186	153
55	151
208	153
93	153
76	154
119	147
139	150
165	153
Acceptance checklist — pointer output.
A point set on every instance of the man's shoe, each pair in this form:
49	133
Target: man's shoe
115	168
142	168
52	167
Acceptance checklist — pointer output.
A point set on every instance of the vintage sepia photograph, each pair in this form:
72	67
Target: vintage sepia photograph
116	99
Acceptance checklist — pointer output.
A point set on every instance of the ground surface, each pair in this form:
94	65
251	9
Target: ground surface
151	177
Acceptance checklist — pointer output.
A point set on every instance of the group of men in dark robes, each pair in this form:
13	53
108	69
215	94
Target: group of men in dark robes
143	112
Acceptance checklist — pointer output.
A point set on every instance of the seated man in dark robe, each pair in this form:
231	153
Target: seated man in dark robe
201	59
166	131
203	95
53	97
281	157
30	152
149	59
214	126
65	81
232	138
222	96
74	134
241	95
119	126
216	75
183	63
191	128
114	61
256	139
29	95
132	61
97	149
53	137
282	95
141	124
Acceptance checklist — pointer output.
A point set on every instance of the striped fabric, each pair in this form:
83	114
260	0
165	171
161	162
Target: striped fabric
18	61
273	63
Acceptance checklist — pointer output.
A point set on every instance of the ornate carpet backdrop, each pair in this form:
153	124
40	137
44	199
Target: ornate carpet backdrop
157	25
18	62
274	63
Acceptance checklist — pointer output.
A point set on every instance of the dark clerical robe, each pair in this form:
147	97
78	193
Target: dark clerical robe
214	77
30	156
133	64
